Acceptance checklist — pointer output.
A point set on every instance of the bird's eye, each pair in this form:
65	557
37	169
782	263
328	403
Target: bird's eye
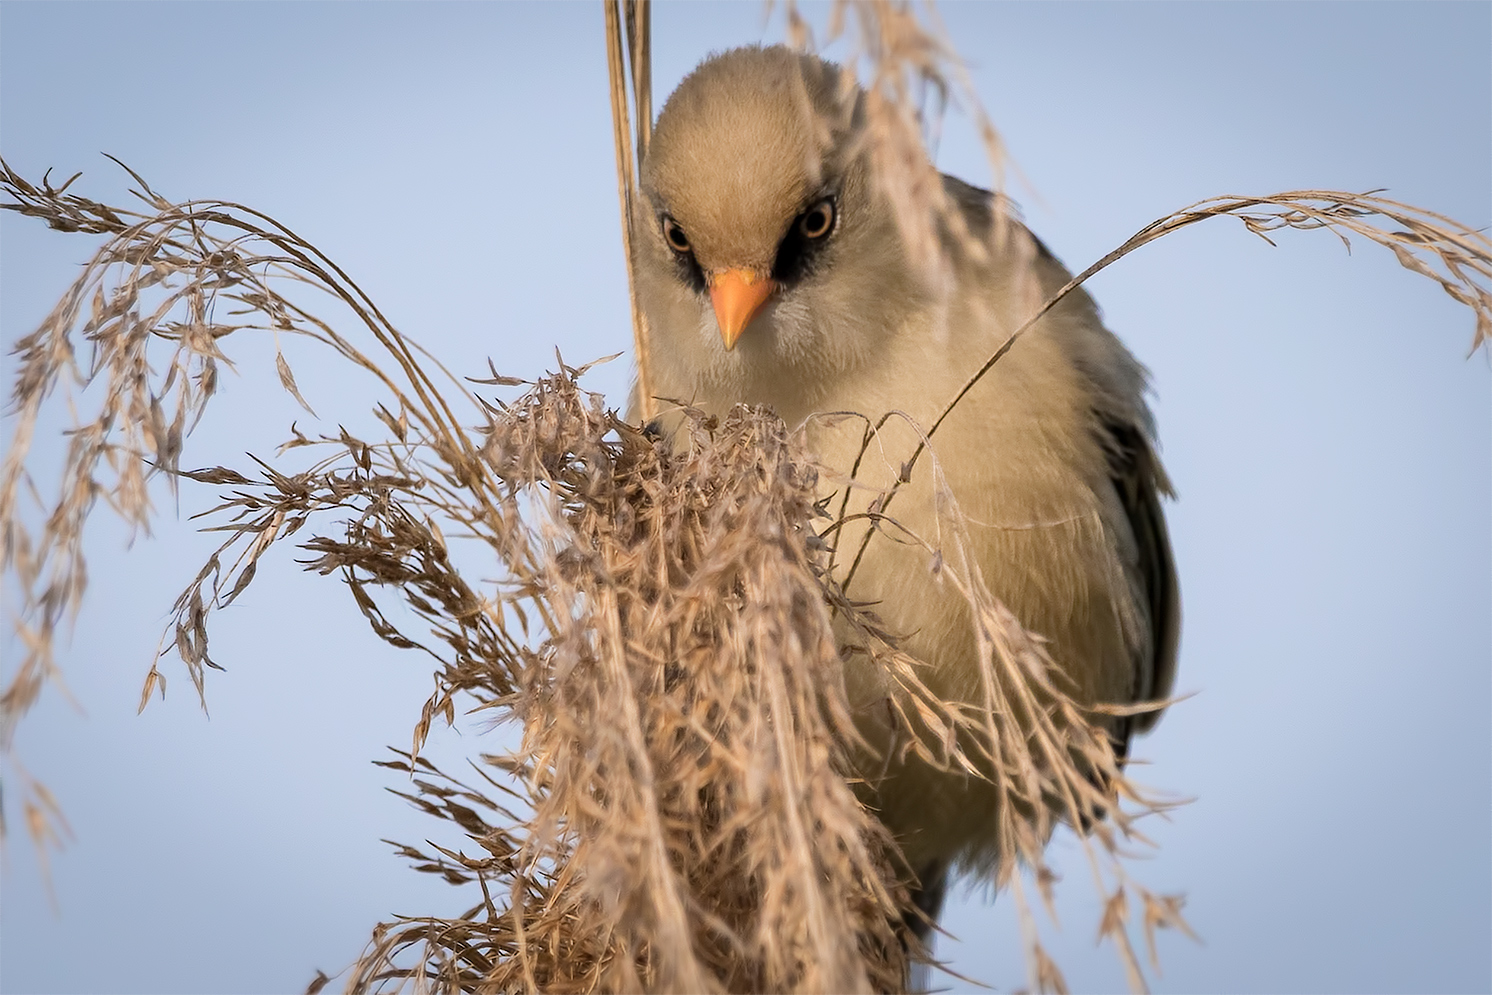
818	220
674	236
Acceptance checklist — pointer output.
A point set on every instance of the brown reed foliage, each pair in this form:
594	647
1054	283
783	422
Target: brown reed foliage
687	821
680	812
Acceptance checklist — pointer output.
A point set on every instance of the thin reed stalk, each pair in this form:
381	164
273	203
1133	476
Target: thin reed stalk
1455	256
638	38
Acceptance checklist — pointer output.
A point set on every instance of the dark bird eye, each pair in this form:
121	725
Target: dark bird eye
818	220
674	236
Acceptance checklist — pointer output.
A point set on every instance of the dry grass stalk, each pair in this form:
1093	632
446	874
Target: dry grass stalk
639	58
1455	256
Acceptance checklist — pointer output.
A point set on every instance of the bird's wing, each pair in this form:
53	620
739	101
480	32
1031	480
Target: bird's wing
1122	425
1140	481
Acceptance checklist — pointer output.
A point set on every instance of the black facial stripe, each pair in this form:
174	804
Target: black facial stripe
689	271
797	254
686	266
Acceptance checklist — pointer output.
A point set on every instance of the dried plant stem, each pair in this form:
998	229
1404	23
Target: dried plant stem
640	59
638	38
1453	255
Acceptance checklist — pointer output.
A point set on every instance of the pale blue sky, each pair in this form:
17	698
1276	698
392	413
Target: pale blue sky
1330	441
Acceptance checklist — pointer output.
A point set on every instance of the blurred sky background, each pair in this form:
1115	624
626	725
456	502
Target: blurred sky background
1330	440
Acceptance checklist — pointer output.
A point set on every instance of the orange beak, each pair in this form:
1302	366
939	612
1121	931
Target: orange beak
738	294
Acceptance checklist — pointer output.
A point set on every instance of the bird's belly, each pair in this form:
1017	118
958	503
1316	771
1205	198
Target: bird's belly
1031	526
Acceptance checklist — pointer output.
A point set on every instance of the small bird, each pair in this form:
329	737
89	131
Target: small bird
771	270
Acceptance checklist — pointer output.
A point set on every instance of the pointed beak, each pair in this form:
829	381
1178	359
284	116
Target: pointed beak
738	295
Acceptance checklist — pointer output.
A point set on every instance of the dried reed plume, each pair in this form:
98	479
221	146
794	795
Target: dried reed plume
687	820
681	812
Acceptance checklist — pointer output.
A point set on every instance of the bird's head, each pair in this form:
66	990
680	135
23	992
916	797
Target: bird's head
765	262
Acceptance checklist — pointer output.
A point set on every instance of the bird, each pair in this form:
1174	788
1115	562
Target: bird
771	270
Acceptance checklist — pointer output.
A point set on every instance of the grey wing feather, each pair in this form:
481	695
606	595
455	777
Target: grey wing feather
1140	482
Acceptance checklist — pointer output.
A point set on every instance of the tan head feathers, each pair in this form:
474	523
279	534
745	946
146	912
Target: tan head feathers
747	142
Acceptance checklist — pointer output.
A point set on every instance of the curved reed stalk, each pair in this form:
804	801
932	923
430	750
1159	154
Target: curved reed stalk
1457	257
